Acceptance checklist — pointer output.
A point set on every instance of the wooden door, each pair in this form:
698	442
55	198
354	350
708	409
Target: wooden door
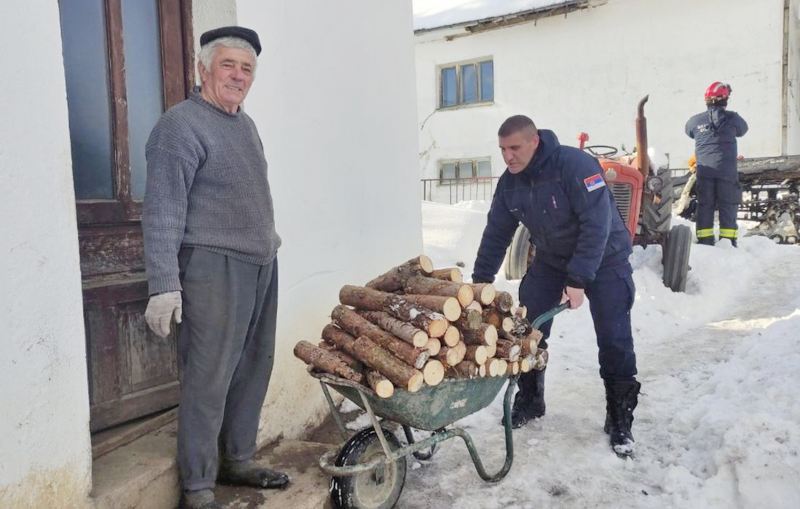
126	61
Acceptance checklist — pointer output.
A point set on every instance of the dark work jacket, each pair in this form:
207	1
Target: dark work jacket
561	198
714	133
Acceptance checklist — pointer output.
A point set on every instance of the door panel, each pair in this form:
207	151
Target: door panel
128	79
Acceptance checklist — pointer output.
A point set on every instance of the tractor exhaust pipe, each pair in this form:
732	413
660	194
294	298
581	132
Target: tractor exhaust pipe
642	159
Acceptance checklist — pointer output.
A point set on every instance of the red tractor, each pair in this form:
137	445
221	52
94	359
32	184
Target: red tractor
644	196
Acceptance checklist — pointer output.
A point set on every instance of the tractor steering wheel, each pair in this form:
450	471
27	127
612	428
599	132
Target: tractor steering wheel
601	150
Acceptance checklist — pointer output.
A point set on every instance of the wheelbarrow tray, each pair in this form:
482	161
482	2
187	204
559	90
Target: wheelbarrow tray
430	408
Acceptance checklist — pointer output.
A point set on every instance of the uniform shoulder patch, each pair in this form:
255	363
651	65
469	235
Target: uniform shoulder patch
594	182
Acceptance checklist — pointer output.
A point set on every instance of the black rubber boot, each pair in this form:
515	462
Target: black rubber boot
250	473
621	400
529	400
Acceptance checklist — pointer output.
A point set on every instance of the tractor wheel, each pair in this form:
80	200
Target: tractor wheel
675	257
520	254
378	488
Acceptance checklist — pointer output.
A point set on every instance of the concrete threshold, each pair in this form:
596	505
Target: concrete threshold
144	475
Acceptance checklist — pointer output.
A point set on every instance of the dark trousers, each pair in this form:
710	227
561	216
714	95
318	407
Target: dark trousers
717	194
610	298
225	350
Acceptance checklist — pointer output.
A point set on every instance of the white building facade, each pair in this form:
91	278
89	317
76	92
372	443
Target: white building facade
582	66
346	202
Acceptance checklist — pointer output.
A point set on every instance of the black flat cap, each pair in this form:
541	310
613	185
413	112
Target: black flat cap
239	32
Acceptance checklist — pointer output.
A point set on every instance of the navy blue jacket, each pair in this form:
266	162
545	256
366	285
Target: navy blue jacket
562	199
714	133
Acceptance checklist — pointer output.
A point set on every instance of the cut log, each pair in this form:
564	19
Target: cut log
526	347
398	328
485	293
395	278
434	346
380	384
338	337
452	336
535	337
325	361
465	369
504	301
526	363
373	300
421	285
433	372
448	306
475	305
522	327
452	355
507	350
357	325
491	350
469	320
513	368
496	367
493	316
540	361
482	372
355	364
477	354
521	311
451	274
508	324
380	359
485	335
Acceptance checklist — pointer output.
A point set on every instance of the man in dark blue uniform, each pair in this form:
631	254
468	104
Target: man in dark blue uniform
714	132
582	248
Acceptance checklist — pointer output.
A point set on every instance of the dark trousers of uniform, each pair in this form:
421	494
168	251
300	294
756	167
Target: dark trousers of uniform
610	298
225	350
717	194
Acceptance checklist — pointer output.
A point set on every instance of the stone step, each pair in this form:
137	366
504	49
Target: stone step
144	475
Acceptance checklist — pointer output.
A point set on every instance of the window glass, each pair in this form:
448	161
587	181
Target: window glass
143	82
448	171
465	170
469	83
484	168
449	90
86	75
487	81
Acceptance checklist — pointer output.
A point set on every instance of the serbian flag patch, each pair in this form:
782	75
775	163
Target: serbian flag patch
594	182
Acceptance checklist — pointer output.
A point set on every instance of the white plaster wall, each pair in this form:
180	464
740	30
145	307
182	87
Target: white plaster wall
793	106
45	458
588	70
209	14
334	101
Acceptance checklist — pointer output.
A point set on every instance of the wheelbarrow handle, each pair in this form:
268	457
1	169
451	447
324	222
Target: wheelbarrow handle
548	315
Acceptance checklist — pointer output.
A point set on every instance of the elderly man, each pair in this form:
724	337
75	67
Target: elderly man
210	255
582	249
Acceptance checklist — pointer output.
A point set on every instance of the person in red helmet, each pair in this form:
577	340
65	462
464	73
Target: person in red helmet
714	132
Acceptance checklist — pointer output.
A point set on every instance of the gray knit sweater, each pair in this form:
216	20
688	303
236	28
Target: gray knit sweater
206	187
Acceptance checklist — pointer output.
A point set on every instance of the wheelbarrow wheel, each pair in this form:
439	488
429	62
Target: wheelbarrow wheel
379	488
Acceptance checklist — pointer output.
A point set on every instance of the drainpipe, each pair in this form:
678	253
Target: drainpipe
785	80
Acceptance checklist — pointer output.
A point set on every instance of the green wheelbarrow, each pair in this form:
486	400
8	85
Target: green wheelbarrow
369	470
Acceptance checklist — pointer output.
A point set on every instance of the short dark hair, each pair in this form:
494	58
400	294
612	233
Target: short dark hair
516	124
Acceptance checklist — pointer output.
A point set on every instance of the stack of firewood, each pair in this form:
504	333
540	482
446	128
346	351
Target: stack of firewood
415	326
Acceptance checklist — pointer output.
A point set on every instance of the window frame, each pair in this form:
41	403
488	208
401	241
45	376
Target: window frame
474	161
459	83
177	79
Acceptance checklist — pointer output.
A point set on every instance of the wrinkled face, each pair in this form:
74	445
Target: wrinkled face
518	149
227	82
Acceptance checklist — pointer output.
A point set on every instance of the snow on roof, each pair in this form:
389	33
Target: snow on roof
438	13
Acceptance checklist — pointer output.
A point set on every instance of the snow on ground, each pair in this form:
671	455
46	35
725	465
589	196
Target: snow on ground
718	423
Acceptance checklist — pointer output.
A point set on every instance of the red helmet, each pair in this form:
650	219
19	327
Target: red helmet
717	91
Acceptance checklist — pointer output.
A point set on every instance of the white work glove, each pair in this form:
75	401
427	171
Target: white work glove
161	309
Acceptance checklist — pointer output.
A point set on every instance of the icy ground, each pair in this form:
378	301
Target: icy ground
718	423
